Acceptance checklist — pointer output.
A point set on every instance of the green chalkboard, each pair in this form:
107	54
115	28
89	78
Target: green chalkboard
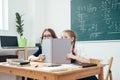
96	19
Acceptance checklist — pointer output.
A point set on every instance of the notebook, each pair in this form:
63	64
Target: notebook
8	42
55	50
84	65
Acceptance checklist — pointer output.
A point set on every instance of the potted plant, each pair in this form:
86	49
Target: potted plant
19	28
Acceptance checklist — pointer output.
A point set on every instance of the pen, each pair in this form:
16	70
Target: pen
36	66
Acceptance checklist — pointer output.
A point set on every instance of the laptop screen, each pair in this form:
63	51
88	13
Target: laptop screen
9	41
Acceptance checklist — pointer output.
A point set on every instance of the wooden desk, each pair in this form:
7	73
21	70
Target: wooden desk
36	73
18	50
25	52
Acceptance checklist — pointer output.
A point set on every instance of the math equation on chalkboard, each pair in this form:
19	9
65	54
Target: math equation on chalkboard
96	19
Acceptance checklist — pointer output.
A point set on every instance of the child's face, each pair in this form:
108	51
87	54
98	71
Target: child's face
47	35
66	35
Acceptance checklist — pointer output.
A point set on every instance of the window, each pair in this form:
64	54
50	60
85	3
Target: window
3	14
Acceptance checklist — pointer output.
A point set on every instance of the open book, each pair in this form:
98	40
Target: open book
55	50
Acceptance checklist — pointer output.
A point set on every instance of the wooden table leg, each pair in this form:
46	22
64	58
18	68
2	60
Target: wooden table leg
17	77
25	53
100	76
25	78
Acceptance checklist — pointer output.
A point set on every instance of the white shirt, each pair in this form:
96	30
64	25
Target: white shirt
79	51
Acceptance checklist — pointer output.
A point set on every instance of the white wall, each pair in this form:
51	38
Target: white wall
58	12
33	12
59	17
39	14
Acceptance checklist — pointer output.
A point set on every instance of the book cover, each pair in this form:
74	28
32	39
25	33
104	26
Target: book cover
55	50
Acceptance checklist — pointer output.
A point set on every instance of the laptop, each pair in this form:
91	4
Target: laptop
9	42
55	50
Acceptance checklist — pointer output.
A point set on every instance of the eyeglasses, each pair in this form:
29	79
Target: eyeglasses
46	35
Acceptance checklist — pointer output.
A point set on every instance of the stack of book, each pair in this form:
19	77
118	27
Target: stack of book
20	62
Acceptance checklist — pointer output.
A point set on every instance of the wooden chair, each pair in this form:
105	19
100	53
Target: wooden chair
109	72
107	63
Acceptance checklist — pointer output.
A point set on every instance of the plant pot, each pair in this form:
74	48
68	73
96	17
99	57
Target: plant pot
22	42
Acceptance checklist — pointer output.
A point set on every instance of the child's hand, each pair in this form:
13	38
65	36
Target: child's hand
41	57
70	56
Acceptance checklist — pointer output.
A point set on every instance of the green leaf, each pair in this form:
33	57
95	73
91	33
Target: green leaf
19	24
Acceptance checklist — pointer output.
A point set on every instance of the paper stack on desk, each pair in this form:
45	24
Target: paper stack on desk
18	62
62	67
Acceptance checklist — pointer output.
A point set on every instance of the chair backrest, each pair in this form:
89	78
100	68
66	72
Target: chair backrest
107	63
109	72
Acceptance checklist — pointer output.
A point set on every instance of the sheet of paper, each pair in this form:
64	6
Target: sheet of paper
63	67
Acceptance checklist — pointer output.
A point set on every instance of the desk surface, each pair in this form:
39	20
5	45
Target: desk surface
32	72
